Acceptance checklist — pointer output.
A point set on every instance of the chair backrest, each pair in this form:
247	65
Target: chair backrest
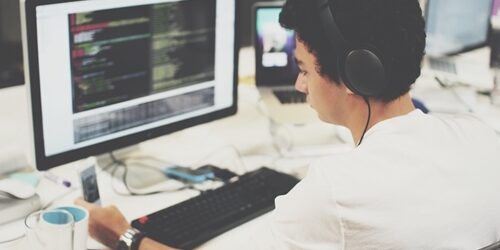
494	246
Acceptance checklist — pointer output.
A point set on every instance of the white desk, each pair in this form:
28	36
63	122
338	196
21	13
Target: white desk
209	143
457	100
220	142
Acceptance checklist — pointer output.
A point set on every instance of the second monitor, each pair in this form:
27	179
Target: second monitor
456	26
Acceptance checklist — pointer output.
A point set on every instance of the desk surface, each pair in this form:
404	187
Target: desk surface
246	134
240	143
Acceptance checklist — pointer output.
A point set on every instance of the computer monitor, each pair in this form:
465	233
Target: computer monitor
11	63
456	26
245	20
106	74
274	47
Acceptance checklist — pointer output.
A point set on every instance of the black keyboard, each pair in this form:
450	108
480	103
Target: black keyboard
290	96
197	220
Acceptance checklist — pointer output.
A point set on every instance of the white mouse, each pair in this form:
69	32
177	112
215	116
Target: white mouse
16	188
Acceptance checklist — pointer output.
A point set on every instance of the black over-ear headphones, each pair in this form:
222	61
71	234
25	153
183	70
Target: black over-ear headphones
360	67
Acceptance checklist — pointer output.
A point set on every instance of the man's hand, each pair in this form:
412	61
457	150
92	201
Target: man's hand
106	224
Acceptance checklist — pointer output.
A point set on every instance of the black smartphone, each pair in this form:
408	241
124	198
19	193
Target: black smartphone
88	179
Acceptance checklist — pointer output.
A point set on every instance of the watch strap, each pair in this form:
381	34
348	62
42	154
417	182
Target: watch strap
130	239
136	240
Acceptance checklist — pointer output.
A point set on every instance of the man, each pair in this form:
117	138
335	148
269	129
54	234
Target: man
415	181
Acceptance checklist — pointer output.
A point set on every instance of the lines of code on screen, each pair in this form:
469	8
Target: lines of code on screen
126	53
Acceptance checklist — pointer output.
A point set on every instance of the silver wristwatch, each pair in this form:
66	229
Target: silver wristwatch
130	239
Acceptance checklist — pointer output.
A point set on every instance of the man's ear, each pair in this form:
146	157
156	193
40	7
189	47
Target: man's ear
347	90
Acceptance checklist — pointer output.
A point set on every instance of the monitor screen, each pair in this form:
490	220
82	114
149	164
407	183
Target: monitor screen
106	74
454	26
274	47
245	20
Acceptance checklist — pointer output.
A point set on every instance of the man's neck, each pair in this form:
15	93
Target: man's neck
379	112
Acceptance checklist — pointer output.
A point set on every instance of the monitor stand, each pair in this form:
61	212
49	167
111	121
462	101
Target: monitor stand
142	173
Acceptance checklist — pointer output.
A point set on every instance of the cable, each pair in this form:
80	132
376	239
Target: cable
209	155
262	110
240	157
116	164
125	165
273	128
113	187
286	138
13	239
455	94
112	156
367	120
442	83
134	193
119	164
70	190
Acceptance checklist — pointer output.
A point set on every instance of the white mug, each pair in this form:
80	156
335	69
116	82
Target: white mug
81	225
49	229
62	228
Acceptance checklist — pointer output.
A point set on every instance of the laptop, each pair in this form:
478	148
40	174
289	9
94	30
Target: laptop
275	67
455	32
461	69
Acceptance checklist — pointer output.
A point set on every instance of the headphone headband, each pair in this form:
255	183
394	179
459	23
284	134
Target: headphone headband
335	37
361	68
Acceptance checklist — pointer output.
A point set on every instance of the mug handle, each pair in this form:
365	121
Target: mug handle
37	215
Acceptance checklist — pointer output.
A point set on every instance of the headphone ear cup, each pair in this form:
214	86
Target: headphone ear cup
364	73
341	68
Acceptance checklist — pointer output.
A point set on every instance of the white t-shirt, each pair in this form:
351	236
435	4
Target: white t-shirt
416	182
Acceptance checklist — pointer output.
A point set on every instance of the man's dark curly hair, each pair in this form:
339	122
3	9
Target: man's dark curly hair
395	27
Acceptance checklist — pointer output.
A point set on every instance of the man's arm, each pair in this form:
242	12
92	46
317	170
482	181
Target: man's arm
149	244
106	224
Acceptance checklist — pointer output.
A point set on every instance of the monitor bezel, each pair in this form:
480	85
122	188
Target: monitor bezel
44	162
468	48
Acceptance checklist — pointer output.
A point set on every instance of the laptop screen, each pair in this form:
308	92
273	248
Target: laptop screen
274	48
